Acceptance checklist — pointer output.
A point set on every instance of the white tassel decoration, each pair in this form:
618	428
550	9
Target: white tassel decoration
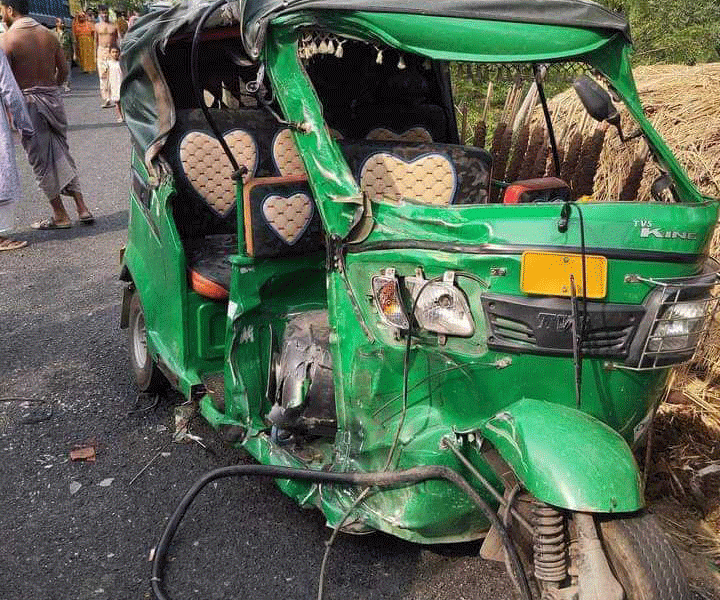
379	58
401	63
339	51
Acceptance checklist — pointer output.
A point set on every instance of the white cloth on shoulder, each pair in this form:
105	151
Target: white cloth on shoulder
12	104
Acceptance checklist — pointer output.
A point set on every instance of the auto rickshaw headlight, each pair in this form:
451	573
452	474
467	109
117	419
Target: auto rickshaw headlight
386	292
440	306
678	327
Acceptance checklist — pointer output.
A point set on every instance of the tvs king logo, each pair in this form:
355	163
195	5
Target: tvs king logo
648	231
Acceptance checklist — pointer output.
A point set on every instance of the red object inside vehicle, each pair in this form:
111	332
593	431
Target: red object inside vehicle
544	189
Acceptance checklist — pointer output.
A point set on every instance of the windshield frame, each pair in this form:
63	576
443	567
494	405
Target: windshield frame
336	192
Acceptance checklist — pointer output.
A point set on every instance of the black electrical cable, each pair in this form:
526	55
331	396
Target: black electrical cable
383	479
584	274
474	277
406	357
406	370
195	78
577	340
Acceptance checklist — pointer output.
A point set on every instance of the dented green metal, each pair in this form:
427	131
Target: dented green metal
523	405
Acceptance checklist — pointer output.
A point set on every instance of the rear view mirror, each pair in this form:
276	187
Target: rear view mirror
596	100
599	105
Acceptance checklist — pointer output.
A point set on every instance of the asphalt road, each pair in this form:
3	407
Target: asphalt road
63	349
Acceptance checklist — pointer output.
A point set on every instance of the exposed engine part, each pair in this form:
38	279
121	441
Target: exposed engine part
305	393
595	579
549	545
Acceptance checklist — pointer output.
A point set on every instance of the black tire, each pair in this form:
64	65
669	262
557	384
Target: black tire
643	559
147	375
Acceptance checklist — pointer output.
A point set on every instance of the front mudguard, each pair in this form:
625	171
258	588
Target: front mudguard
566	458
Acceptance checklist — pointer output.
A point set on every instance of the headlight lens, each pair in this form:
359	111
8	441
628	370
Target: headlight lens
441	307
679	327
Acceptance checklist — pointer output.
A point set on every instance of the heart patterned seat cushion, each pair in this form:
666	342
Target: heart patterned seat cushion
208	169
288	217
414	134
429	178
281	218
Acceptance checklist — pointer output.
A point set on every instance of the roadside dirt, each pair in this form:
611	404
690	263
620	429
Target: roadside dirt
684	490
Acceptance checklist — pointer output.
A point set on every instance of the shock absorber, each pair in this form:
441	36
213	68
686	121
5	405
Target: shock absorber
549	545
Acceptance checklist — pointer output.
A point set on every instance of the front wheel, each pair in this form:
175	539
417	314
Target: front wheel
643	559
147	375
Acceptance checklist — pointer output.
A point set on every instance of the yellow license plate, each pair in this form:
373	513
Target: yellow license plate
548	273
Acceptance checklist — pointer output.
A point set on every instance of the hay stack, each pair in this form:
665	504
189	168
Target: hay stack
682	102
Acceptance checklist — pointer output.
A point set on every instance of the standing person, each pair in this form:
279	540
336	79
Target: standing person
39	66
105	37
115	79
65	38
122	26
84	44
133	17
11	103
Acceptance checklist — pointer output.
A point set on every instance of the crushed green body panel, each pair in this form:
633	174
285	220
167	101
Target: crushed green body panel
565	457
185	332
522	403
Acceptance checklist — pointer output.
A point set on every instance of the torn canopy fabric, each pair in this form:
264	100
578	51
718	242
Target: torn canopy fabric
145	97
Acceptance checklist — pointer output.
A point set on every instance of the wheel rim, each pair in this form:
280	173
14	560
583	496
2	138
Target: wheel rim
139	341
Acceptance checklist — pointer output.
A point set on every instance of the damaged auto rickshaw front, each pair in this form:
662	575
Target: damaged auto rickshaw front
506	330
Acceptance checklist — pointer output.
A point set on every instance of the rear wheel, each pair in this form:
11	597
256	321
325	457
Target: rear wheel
147	375
643	559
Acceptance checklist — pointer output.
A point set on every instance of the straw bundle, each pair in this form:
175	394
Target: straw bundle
686	466
682	102
519	154
572	154
541	159
480	134
588	162
537	138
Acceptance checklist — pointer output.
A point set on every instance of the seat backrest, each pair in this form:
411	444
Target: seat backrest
438	174
280	217
203	174
409	123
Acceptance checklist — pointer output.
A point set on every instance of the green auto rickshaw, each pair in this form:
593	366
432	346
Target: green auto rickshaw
405	332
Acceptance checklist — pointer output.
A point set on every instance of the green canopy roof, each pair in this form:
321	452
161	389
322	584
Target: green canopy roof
146	99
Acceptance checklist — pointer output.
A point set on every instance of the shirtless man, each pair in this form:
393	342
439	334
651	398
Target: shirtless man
106	35
39	65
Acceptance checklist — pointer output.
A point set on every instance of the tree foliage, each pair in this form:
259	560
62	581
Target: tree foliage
673	31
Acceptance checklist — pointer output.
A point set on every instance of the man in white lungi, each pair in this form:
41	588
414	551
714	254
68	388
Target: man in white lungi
12	105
